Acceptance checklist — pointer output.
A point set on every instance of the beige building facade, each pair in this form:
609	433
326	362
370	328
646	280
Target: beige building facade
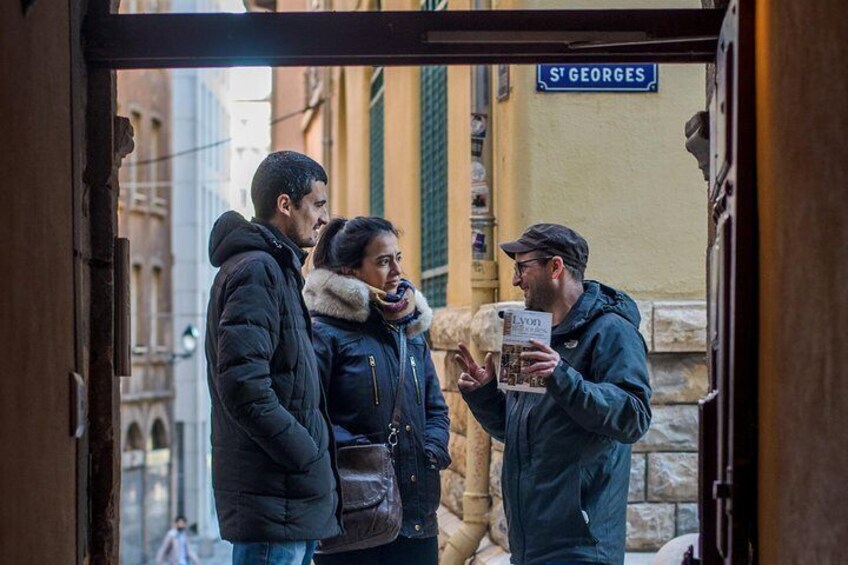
147	396
397	142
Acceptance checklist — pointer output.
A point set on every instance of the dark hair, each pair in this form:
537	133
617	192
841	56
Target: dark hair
180	517
343	242
576	274
283	172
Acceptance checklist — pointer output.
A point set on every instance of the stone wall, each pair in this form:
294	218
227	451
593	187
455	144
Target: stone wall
664	474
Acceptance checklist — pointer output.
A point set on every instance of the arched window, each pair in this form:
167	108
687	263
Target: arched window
158	436
134	440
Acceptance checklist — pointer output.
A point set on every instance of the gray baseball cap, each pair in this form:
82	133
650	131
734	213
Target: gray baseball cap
554	239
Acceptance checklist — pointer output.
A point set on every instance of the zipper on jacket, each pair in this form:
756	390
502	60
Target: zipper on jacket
415	378
373	363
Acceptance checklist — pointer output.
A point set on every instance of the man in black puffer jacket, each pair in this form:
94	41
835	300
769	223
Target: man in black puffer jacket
275	486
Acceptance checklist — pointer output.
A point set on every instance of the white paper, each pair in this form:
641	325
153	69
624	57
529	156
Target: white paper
521	326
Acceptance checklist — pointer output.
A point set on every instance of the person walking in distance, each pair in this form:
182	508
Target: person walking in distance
175	549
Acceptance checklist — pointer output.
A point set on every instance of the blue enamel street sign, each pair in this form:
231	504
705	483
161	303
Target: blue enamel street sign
597	78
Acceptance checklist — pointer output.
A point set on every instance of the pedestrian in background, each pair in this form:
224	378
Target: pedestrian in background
275	487
175	549
361	309
566	468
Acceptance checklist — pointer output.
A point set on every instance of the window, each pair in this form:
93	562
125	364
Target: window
157	187
158	436
137	307
134	440
376	146
157	336
135	195
434	4
434	178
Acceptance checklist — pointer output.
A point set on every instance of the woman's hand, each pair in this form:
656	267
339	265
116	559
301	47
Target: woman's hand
473	375
544	360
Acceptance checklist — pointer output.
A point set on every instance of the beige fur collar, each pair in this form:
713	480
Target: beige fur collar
347	298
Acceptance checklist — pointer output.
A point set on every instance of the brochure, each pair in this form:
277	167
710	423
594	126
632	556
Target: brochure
520	326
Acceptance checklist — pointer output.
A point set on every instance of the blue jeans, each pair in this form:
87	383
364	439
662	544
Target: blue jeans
265	553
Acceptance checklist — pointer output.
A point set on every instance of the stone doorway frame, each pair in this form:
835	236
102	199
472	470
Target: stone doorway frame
104	42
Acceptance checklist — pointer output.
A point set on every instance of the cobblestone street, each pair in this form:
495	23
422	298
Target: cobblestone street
220	553
209	552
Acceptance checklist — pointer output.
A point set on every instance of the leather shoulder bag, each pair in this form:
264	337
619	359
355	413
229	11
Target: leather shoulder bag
371	507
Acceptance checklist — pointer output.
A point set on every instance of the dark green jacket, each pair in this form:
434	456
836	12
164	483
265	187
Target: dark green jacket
566	468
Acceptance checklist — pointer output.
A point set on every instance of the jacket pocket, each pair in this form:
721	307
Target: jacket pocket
434	485
415	380
372	362
584	505
551	509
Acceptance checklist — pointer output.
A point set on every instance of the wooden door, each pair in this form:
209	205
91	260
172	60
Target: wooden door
39	512
728	417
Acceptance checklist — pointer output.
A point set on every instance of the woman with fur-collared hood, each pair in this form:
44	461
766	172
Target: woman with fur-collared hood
360	303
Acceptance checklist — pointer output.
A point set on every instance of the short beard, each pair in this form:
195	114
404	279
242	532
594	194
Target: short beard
297	239
304	244
541	299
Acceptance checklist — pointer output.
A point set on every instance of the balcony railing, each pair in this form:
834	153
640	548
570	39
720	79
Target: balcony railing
144	197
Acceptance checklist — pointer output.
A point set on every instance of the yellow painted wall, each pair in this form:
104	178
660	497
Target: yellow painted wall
403	161
288	96
356	180
350	172
313	132
402	153
340	189
611	166
349	166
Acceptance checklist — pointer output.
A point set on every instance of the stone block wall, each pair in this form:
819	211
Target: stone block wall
664	473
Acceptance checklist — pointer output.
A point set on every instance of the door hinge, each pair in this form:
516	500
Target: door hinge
79	405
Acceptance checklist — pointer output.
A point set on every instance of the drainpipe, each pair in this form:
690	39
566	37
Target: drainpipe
484	283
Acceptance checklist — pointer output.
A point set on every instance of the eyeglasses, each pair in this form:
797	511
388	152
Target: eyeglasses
518	269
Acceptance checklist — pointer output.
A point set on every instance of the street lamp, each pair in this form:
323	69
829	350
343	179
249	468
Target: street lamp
189	343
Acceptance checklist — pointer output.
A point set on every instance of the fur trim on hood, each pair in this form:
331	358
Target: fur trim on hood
347	298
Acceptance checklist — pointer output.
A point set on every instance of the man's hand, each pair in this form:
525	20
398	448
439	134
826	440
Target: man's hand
473	375
544	360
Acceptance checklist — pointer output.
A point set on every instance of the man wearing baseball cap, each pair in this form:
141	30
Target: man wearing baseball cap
566	469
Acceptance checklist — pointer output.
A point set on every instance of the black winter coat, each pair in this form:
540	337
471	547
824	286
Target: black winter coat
566	470
271	441
358	361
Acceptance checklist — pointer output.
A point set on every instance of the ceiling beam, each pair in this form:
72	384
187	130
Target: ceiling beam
402	38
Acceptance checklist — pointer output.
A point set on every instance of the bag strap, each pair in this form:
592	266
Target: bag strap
394	421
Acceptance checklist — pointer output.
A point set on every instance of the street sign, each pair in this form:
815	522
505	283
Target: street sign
635	77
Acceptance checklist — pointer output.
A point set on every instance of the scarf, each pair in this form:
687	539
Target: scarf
398	308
